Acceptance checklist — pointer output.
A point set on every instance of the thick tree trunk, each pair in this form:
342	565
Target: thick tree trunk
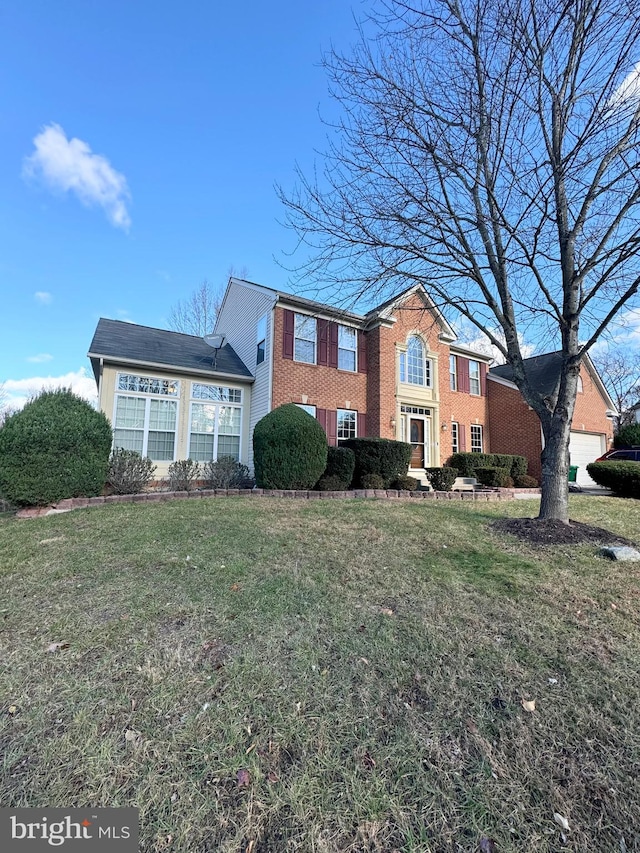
554	502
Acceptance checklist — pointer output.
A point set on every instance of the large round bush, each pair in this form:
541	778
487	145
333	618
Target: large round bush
289	449
56	447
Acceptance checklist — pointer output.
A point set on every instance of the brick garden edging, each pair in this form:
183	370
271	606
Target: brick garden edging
154	497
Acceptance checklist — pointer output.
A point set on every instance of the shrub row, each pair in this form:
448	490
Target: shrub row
468	463
382	457
623	478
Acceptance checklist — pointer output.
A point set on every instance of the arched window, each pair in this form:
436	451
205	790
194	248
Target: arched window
415	368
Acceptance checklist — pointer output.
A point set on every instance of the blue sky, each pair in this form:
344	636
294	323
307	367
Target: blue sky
139	150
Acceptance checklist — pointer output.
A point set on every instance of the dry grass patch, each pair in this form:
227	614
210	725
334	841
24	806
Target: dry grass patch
261	676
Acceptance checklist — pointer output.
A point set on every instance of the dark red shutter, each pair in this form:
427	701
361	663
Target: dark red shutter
333	344
462	441
462	368
483	379
362	425
362	354
288	330
321	417
332	426
323	341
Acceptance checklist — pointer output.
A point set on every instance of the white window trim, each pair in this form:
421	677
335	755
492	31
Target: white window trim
355	423
218	405
455	442
476	427
473	379
147	412
427	365
353	349
296	337
453	374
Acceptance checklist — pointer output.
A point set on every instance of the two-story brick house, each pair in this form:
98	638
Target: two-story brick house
395	372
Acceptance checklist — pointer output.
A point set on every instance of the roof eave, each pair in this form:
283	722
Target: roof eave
172	368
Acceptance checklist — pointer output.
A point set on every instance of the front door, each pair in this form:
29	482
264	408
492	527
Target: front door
416	433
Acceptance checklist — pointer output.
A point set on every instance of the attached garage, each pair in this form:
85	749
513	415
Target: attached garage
585	447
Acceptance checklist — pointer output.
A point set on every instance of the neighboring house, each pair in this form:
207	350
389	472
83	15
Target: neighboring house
395	372
515	427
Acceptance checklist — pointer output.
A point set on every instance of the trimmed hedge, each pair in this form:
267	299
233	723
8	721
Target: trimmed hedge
468	463
442	479
623	478
56	447
289	449
382	456
341	463
627	436
494	477
405	484
524	481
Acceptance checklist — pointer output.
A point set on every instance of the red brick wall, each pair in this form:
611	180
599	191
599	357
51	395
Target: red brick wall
325	387
465	409
515	428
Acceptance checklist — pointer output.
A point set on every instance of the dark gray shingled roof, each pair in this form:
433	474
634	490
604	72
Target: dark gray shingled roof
543	371
115	340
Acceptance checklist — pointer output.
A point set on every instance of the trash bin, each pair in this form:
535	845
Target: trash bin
573	473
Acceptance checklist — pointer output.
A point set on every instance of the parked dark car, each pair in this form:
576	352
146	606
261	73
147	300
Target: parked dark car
622	454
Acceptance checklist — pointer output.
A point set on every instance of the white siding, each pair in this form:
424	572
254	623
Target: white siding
242	308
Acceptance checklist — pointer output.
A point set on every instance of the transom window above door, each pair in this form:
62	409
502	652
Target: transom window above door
415	367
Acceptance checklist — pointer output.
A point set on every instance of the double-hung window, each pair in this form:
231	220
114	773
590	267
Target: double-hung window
415	368
145	415
310	410
347	423
453	373
216	422
304	348
474	377
476	438
347	348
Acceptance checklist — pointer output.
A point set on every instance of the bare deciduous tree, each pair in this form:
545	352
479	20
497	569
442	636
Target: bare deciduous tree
490	151
620	372
197	314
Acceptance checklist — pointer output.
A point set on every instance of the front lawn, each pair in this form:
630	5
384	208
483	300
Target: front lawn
264	675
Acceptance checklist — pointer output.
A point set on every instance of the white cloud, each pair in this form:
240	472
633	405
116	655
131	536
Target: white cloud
81	382
40	358
43	297
628	90
70	165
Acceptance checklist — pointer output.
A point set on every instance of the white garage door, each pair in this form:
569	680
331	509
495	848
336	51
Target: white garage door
585	447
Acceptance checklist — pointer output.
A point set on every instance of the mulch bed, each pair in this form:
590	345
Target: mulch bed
551	532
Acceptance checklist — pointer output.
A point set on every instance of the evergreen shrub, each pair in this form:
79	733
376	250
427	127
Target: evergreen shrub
56	447
627	436
382	456
494	477
468	463
341	463
372	481
524	481
406	484
289	449
623	478
442	479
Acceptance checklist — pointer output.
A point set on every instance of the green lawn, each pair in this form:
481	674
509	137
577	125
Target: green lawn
363	661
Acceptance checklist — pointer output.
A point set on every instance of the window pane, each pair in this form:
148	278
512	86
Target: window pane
130	412
310	410
200	391
200	447
229	421
403	367
229	445
305	327
128	439
305	351
160	445
415	362
148	385
162	415
346	359
346	423
474	377
203	417
453	382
